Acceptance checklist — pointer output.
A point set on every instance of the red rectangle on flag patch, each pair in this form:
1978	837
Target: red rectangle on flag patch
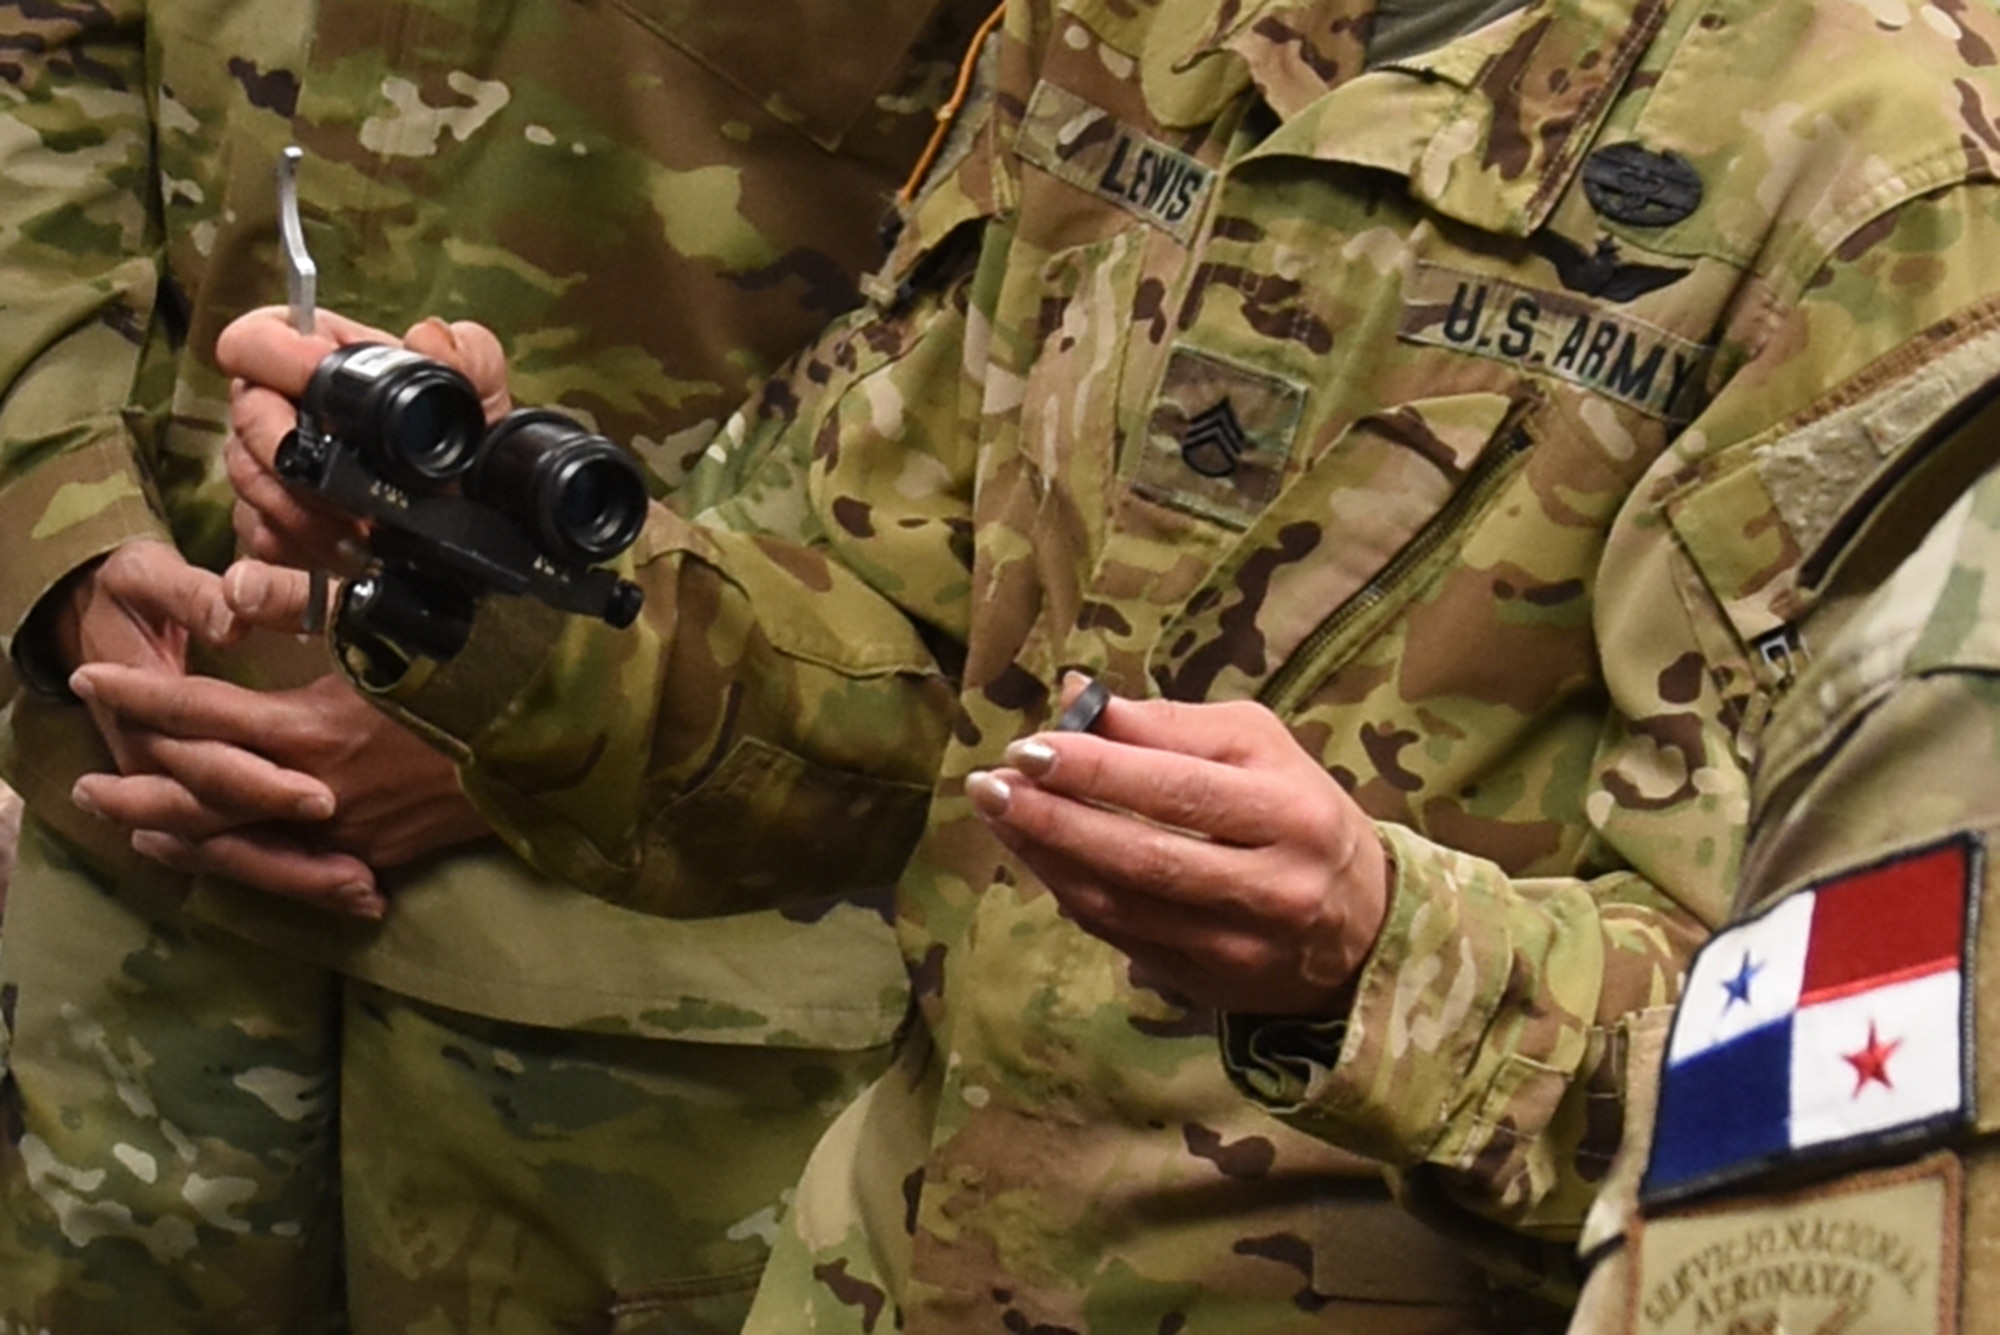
1899	920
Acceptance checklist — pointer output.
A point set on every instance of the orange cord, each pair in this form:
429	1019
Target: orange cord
949	111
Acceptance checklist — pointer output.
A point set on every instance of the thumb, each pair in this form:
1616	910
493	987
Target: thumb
267	596
473	350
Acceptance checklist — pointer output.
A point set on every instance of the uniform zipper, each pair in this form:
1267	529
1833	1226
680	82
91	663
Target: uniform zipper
1351	621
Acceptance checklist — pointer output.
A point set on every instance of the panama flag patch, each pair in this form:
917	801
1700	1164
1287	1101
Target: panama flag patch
1838	1018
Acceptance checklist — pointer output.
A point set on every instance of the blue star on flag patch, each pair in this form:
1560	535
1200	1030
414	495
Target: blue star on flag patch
1837	1019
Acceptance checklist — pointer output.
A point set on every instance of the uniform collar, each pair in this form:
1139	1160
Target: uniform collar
1489	128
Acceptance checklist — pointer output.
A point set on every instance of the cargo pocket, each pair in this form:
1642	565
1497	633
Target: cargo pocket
819	832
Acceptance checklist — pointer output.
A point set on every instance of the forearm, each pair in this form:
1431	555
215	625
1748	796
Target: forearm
788	678
1483	1039
742	650
78	277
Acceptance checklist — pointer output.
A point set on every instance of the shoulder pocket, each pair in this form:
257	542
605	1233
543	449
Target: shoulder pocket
1814	513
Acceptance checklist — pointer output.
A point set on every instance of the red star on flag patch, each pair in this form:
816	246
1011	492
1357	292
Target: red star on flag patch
1872	1062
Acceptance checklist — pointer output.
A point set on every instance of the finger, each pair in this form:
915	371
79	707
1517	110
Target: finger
259	419
273	523
150	802
1231	804
269	529
193	708
154	580
232	777
1320	893
269	596
172	703
1227	732
126	752
258	539
200	787
208	709
263	348
269	861
1112	848
472	349
146	801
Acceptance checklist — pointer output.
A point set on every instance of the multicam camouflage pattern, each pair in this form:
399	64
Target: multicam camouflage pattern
575	1132
534	187
1493	463
1889	742
171	1116
535	166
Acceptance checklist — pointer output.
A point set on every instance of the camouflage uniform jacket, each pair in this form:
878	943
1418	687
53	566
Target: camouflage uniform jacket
1481	414
1864	1205
526	163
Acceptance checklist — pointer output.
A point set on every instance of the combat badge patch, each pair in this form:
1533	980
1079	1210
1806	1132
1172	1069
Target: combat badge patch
1875	1254
1081	143
1836	1020
1586	342
1645	187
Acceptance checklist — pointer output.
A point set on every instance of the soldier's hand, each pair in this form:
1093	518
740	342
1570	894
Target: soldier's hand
305	793
139	607
1203	841
271	363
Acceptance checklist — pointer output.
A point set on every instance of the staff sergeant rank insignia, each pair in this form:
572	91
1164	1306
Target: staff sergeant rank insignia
1086	146
1214	442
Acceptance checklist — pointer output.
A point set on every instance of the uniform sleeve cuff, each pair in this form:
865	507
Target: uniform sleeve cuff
1384	1080
1278	1060
63	515
452	703
72	511
38	660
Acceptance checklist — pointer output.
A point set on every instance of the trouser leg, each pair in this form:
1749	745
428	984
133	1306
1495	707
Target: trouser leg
506	1178
168	1158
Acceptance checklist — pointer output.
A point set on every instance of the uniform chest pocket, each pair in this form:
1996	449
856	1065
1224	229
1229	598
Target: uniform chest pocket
1218	442
1343	545
852	61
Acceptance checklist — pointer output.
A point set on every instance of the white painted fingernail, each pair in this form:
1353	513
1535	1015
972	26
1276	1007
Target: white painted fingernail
989	793
1032	757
